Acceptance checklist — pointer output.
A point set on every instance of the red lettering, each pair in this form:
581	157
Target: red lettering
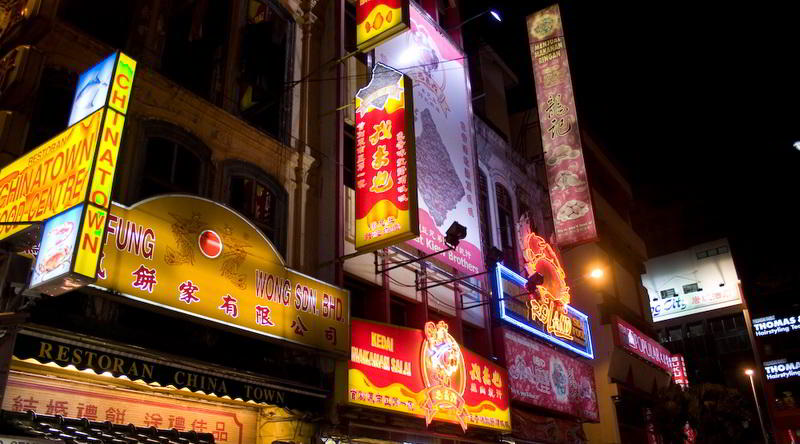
97	219
121	99
102	195
122	85
92	242
113	136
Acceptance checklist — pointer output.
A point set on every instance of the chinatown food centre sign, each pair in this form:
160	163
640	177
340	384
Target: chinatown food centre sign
386	164
66	182
193	256
426	374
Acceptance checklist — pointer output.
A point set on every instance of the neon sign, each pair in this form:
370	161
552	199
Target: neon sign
510	286
444	374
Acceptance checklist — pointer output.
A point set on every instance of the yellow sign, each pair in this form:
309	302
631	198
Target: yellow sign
50	179
197	257
378	20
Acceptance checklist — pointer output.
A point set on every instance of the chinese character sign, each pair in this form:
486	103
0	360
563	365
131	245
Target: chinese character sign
386	185
679	371
446	171
197	257
378	20
50	396
630	339
426	374
545	378
570	197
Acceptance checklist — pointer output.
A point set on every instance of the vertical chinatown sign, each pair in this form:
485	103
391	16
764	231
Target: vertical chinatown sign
386	184
378	20
570	197
426	374
65	183
679	371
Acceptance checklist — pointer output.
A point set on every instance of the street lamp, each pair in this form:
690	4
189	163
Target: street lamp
749	373
492	12
597	273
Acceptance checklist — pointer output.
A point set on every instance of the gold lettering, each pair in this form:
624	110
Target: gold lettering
177	375
45	349
118	366
147	370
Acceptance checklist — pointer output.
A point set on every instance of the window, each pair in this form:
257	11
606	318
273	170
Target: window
106	21
266	68
397	312
696	329
483	195
722	250
668	293
51	106
259	197
712	252
174	162
194	48
675	334
507	227
690	288
349	156
702	254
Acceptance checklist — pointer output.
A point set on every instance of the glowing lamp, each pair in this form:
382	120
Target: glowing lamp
597	273
748	372
497	17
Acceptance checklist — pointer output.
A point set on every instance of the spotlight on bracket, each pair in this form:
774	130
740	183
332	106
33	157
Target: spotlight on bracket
455	234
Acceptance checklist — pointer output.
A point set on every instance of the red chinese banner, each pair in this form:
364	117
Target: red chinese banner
679	371
637	343
386	183
541	376
378	20
570	196
426	374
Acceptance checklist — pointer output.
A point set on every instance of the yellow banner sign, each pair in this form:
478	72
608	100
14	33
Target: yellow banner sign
50	179
197	257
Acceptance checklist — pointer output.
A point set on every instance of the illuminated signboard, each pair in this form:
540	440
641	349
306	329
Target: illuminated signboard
386	165
378	20
75	169
570	196
543	377
776	325
197	257
679	371
541	317
446	171
638	344
426	374
782	369
92	89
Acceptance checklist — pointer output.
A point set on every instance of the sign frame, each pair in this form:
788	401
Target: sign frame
502	272
413	229
366	45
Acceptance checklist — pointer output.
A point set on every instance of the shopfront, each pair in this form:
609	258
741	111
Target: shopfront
194	324
411	385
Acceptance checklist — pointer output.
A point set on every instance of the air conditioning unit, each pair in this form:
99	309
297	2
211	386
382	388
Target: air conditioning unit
20	71
13	130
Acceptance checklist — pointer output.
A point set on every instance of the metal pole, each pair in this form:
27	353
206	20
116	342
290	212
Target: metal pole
758	409
339	223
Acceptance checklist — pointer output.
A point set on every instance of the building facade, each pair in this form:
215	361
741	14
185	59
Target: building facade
214	154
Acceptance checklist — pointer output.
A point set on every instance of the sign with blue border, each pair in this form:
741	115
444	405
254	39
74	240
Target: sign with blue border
513	306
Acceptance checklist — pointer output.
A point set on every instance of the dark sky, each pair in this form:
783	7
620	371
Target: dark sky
698	104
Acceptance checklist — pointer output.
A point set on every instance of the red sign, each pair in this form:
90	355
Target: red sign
378	20
386	185
679	371
426	374
547	430
637	343
570	197
541	376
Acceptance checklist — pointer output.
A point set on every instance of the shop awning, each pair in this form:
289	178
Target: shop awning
46	346
56	429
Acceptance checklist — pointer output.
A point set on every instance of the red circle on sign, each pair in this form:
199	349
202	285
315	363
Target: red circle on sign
210	244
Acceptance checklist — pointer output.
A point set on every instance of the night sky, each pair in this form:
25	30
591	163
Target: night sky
700	109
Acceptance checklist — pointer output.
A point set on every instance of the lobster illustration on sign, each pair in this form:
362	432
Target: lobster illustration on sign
444	374
549	302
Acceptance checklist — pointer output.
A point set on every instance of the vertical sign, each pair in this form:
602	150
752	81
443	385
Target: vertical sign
444	140
86	156
386	165
570	197
679	371
378	20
